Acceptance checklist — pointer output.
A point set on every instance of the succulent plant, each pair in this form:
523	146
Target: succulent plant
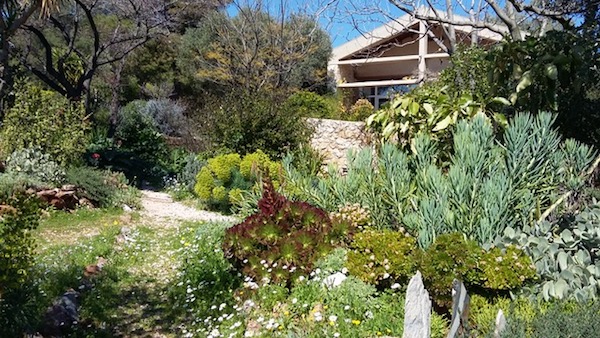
283	240
33	162
565	254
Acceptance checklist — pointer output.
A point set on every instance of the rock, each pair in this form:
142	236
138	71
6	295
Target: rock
125	219
126	208
460	309
500	324
62	315
417	309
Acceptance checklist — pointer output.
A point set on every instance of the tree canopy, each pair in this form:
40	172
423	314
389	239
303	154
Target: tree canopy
254	50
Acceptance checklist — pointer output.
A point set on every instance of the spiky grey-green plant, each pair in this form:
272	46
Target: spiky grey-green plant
488	185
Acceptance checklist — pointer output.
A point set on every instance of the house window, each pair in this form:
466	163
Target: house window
378	96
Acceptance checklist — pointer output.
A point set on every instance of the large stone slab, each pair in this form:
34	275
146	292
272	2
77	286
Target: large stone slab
417	309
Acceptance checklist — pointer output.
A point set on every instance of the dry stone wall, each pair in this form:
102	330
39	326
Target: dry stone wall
333	139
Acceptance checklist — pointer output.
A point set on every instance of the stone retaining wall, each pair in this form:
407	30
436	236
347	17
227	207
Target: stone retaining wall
333	139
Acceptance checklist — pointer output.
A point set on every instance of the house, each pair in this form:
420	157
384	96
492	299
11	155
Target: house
401	54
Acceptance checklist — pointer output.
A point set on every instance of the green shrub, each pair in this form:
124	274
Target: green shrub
246	122
137	149
138	133
360	110
537	74
19	215
309	104
32	162
449	257
283	240
45	119
17	183
91	184
452	257
382	258
563	319
224	178
564	253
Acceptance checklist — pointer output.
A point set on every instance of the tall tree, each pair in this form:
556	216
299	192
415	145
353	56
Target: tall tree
255	50
13	15
68	49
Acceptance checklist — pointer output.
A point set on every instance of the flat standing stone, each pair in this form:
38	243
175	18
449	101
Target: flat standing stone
417	309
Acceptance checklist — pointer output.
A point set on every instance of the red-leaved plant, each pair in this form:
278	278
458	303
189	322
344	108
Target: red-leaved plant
283	240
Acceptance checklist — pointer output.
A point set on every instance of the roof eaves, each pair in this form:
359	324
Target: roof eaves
401	24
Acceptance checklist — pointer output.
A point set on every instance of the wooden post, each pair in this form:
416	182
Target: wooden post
423	42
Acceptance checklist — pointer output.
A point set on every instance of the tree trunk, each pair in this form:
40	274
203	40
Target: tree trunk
5	74
115	93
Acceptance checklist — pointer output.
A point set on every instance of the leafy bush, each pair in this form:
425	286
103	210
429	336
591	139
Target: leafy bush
11	184
360	110
551	73
246	122
34	163
138	149
91	184
138	133
452	257
559	320
564	253
19	215
168	116
427	110
386	257
283	240
382	258
309	104
45	119
223	179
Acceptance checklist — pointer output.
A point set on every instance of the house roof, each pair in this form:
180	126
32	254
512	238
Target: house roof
402	24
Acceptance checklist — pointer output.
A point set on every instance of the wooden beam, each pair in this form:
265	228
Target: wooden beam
377	83
390	59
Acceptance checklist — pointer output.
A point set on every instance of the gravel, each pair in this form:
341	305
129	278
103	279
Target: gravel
160	208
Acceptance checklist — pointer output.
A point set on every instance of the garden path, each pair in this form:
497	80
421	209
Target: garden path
159	207
156	238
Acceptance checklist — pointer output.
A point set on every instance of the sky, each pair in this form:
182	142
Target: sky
342	19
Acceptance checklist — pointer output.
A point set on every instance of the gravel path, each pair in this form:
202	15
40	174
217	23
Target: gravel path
158	207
